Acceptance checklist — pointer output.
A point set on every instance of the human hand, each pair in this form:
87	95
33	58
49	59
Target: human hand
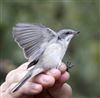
51	84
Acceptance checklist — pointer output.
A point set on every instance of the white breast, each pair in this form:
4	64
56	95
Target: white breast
53	54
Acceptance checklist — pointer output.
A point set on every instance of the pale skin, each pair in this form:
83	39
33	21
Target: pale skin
51	84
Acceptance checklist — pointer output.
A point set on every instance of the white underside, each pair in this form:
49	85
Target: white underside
52	56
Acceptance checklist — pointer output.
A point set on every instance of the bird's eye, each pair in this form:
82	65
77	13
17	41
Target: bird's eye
68	33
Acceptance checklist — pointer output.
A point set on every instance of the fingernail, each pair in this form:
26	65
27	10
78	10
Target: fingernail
64	77
46	79
63	68
35	86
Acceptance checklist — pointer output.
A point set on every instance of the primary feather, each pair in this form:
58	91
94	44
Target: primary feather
32	38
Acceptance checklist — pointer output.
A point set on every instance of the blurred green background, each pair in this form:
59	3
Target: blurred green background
84	50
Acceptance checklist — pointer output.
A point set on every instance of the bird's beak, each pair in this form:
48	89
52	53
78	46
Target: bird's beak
77	32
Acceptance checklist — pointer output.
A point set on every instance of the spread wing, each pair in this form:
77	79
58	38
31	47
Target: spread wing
32	39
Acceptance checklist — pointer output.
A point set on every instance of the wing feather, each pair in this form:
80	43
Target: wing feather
32	38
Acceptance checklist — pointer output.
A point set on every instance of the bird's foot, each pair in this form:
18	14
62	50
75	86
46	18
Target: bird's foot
69	65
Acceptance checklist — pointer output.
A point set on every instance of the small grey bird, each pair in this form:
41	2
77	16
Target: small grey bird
43	47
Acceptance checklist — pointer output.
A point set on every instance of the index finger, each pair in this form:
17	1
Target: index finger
23	66
63	67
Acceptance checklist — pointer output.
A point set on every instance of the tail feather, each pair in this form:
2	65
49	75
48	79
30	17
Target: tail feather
25	78
32	73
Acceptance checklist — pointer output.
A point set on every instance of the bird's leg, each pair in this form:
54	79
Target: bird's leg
69	65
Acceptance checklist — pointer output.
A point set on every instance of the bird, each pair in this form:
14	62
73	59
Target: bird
43	48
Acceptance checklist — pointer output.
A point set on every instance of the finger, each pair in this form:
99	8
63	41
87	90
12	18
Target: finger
54	73
15	77
65	91
10	74
27	89
64	77
44	80
16	71
43	94
9	79
68	90
23	66
62	68
3	87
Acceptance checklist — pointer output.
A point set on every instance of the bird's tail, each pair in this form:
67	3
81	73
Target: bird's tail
32	72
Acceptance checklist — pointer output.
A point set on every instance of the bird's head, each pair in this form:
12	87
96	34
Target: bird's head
66	35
